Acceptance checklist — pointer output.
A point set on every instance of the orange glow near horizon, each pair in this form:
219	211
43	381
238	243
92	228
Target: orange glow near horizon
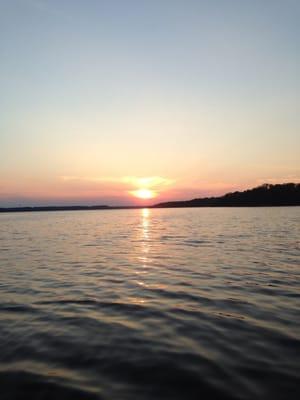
144	194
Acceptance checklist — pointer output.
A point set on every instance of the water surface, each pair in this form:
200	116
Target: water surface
150	304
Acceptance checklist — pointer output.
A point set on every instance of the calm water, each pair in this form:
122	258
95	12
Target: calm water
150	304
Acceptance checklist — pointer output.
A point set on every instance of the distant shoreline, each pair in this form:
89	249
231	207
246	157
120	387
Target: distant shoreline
267	195
53	209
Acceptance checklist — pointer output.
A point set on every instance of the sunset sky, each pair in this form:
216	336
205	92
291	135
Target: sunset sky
104	102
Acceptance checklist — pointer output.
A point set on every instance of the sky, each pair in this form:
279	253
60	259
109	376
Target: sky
105	102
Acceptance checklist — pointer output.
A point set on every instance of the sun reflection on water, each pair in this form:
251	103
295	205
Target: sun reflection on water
144	239
142	258
145	222
145	229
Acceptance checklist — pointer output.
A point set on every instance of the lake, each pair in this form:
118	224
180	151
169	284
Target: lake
150	304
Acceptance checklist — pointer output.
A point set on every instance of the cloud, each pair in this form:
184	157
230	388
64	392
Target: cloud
156	182
87	178
148	182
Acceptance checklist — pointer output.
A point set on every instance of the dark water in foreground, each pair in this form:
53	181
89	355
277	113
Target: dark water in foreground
159	304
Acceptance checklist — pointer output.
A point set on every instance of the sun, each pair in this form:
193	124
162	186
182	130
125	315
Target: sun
144	194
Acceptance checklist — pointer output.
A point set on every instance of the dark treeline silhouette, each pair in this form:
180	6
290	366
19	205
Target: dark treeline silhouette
286	194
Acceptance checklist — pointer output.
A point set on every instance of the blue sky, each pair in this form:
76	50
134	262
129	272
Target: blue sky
202	94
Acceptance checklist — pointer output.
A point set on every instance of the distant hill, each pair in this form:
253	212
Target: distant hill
286	194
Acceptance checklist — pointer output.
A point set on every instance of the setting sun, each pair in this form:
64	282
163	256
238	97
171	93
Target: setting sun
144	193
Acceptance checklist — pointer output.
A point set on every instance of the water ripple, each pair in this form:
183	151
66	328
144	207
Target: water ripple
163	304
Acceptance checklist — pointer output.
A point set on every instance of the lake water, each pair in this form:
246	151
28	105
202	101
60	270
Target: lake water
150	304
